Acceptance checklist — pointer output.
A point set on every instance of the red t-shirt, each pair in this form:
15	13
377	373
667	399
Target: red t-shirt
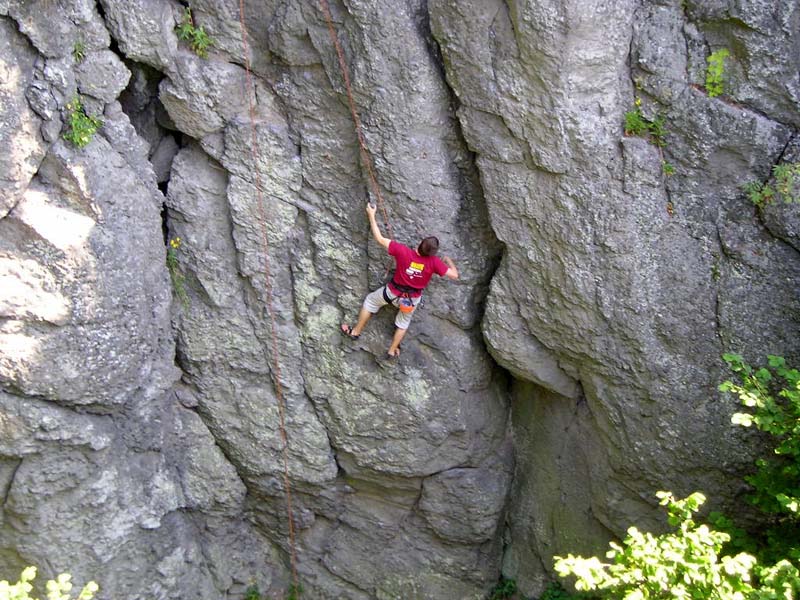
413	269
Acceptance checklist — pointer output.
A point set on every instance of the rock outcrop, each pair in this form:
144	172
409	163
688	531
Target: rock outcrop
622	284
539	401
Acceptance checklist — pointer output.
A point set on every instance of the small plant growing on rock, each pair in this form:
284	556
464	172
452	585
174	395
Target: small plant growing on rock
252	592
178	280
637	124
715	272
658	131
506	588
555	591
294	592
81	126
715	72
786	186
79	51
199	40
57	589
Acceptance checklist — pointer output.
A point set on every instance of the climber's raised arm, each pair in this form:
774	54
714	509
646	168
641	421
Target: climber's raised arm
373	225
452	272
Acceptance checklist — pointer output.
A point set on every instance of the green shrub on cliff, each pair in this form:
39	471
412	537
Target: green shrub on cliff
57	589
555	591
506	588
684	563
175	275
715	72
771	396
199	41
636	124
786	187
81	126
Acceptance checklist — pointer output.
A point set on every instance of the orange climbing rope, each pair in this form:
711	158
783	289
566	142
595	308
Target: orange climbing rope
362	142
276	366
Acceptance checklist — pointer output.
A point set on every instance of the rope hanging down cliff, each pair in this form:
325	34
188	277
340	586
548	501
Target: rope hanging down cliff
254	148
276	366
366	157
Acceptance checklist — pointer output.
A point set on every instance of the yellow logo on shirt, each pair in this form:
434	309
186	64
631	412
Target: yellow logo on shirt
415	270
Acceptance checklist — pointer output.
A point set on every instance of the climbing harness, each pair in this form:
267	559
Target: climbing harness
405	289
276	367
403	302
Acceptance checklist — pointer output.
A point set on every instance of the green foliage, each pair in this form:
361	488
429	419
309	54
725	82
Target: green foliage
555	591
81	127
637	124
658	131
695	561
715	72
740	540
506	588
681	564
715	273
79	51
199	40
57	589
667	168
252	592
772	397
178	280
759	193
781	581
295	591
786	188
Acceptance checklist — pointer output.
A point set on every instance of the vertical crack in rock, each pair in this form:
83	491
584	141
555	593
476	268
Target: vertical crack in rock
7	480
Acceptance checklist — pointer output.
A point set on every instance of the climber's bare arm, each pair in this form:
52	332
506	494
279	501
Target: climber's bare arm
373	225
452	272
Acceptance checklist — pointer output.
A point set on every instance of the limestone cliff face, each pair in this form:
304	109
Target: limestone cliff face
539	401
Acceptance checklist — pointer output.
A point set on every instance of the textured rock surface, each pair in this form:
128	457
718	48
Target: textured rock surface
140	437
19	128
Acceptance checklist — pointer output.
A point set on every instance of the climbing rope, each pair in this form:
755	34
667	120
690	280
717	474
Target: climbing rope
362	142
276	366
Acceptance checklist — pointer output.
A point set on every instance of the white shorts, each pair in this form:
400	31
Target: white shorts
375	301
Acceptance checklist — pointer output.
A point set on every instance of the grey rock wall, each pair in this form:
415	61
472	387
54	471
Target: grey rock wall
621	286
400	473
539	402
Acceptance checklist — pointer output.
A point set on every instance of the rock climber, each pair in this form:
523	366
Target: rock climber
413	271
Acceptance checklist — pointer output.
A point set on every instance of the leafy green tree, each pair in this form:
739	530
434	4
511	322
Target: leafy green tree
681	565
777	482
692	561
771	396
57	589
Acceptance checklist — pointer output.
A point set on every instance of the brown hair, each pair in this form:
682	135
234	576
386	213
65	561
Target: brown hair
429	246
